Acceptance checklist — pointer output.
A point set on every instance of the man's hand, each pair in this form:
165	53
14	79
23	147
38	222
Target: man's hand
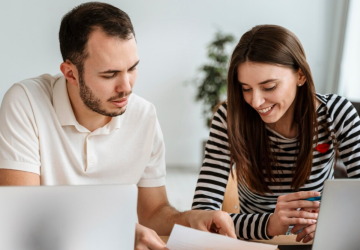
155	212
211	221
146	238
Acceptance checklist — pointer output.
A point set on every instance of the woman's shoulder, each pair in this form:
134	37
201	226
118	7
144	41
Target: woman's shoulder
335	106
221	110
333	102
329	98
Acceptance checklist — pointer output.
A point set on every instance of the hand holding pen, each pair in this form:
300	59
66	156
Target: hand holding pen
307	232
287	212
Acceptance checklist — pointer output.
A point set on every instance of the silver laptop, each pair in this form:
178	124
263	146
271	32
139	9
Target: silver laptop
338	224
68	217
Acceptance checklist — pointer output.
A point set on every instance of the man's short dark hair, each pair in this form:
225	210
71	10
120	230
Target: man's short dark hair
78	23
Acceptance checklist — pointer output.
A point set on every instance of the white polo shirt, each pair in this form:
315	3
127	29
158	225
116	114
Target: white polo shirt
40	134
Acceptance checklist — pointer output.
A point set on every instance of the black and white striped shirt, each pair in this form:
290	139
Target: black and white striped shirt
336	117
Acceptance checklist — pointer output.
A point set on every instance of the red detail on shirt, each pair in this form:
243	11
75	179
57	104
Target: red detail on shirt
322	148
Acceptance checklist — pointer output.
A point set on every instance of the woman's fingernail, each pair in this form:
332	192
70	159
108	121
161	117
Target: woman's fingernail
314	221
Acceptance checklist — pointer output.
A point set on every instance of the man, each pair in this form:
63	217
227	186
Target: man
86	127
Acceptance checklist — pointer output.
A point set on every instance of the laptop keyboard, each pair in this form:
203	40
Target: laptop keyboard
295	247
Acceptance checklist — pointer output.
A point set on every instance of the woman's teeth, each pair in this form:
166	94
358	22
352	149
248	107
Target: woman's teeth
265	110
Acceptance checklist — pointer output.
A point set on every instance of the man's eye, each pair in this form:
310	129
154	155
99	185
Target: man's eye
109	76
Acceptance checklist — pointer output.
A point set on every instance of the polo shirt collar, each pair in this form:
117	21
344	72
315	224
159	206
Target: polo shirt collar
62	103
65	113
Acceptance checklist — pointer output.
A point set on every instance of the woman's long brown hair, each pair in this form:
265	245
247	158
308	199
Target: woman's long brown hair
248	137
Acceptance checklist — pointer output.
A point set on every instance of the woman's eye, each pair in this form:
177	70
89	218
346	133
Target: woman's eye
246	90
269	89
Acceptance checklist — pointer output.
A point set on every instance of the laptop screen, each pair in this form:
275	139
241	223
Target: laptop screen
68	217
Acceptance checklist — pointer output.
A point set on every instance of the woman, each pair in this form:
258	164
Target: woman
281	136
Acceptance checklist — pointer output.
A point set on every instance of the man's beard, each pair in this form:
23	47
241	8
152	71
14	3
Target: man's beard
94	103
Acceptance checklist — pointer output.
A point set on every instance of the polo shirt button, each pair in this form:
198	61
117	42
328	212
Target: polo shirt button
91	159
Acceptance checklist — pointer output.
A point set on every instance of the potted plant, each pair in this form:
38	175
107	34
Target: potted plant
211	87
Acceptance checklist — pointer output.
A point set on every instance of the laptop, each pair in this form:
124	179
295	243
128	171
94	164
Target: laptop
68	217
338	223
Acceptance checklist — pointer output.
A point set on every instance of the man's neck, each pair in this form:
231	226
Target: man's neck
85	116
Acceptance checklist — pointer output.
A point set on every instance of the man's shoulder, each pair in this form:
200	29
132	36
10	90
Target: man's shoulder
37	87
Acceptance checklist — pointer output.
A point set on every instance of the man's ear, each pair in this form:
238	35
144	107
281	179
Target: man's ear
301	79
70	72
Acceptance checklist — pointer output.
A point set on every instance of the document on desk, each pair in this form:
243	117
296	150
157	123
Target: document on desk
184	238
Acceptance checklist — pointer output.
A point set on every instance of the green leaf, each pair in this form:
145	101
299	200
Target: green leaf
212	85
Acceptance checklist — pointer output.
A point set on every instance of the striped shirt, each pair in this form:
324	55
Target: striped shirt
336	117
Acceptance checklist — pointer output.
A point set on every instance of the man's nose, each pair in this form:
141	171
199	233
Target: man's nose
123	84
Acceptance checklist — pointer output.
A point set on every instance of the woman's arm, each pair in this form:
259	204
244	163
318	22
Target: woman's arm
215	169
212	181
346	123
213	178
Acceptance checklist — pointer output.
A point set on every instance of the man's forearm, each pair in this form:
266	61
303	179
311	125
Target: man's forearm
10	177
164	218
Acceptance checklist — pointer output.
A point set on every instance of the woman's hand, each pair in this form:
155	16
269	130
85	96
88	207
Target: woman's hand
286	212
308	231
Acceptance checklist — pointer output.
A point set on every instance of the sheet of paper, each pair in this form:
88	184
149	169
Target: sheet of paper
185	238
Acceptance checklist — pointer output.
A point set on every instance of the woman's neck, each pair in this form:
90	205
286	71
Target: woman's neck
286	126
286	130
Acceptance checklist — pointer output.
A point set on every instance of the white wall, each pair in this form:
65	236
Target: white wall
171	36
350	64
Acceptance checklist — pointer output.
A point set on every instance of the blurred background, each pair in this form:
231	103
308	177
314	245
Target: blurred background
173	38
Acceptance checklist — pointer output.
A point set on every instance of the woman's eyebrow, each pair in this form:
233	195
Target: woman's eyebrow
263	82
